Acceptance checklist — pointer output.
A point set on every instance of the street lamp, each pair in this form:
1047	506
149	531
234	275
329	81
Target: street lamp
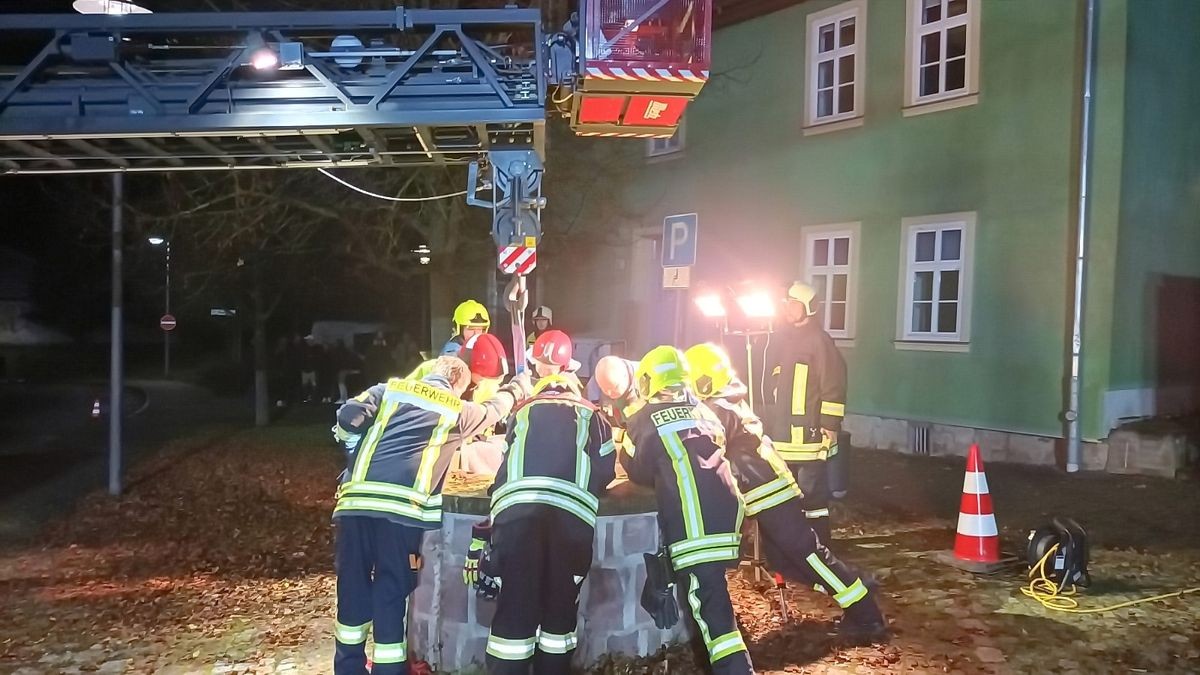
423	254
166	244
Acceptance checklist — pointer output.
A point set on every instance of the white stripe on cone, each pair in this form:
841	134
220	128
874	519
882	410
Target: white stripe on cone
971	525
975	483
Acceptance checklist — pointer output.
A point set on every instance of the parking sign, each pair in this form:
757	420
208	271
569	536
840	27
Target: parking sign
679	240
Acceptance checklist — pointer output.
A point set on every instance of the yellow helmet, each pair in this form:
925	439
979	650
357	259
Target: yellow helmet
804	294
660	368
471	313
711	369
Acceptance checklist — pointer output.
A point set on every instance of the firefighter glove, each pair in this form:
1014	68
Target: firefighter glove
471	567
658	594
481	534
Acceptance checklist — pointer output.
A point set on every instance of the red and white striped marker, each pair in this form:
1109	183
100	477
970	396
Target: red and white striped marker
518	259
978	538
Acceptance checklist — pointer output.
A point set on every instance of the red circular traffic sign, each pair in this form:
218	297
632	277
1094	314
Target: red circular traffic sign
167	323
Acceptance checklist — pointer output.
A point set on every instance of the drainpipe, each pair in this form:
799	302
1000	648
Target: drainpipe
1074	449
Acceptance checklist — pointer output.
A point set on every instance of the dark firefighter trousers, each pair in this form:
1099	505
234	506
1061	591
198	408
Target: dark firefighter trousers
375	576
706	594
543	554
813	478
794	551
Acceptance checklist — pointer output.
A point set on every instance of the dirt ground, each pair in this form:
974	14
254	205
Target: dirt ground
218	560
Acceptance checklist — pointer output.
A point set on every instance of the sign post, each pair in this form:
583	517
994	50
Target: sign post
678	257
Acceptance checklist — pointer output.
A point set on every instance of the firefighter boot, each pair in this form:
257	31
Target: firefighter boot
863	624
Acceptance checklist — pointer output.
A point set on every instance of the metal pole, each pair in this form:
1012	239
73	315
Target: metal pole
167	304
749	372
678	333
116	374
1074	450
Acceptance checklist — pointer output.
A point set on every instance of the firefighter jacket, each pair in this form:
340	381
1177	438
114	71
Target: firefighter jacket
559	453
763	476
804	391
400	438
699	512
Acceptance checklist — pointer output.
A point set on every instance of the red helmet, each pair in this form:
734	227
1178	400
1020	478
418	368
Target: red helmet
485	356
554	348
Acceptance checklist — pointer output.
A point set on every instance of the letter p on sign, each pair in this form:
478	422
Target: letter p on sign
679	240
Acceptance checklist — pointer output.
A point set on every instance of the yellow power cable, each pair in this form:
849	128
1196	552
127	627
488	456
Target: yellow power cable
1047	593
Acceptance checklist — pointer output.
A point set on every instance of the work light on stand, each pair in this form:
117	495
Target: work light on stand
754	316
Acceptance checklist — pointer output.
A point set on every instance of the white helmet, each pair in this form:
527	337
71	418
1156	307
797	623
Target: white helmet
544	312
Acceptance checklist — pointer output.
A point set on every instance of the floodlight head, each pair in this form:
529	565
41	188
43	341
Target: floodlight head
710	305
424	260
756	304
156	241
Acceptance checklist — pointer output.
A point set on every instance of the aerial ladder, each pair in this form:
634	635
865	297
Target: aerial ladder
303	89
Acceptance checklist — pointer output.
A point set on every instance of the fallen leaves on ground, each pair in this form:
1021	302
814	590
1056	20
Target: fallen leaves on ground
218	559
225	540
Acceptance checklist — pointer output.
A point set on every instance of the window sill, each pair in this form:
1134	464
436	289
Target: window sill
941	104
829	127
930	346
844	343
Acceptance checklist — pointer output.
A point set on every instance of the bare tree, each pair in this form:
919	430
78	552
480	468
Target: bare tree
241	236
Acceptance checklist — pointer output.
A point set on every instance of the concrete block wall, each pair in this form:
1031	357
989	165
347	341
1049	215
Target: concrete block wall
1156	455
946	440
449	624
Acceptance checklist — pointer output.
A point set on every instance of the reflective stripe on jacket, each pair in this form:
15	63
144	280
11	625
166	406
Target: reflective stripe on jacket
559	452
804	392
763	476
407	432
700	516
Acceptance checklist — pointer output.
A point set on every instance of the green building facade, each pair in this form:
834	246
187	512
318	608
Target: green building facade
919	161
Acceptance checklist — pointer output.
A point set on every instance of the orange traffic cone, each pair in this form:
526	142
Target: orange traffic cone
96	409
977	541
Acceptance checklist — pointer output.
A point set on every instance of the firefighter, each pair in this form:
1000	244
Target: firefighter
400	437
805	397
560	460
615	393
470	319
678	449
543	320
774	500
489	366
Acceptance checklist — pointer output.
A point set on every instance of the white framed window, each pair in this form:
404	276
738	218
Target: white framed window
935	284
831	267
942	55
665	147
835	63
